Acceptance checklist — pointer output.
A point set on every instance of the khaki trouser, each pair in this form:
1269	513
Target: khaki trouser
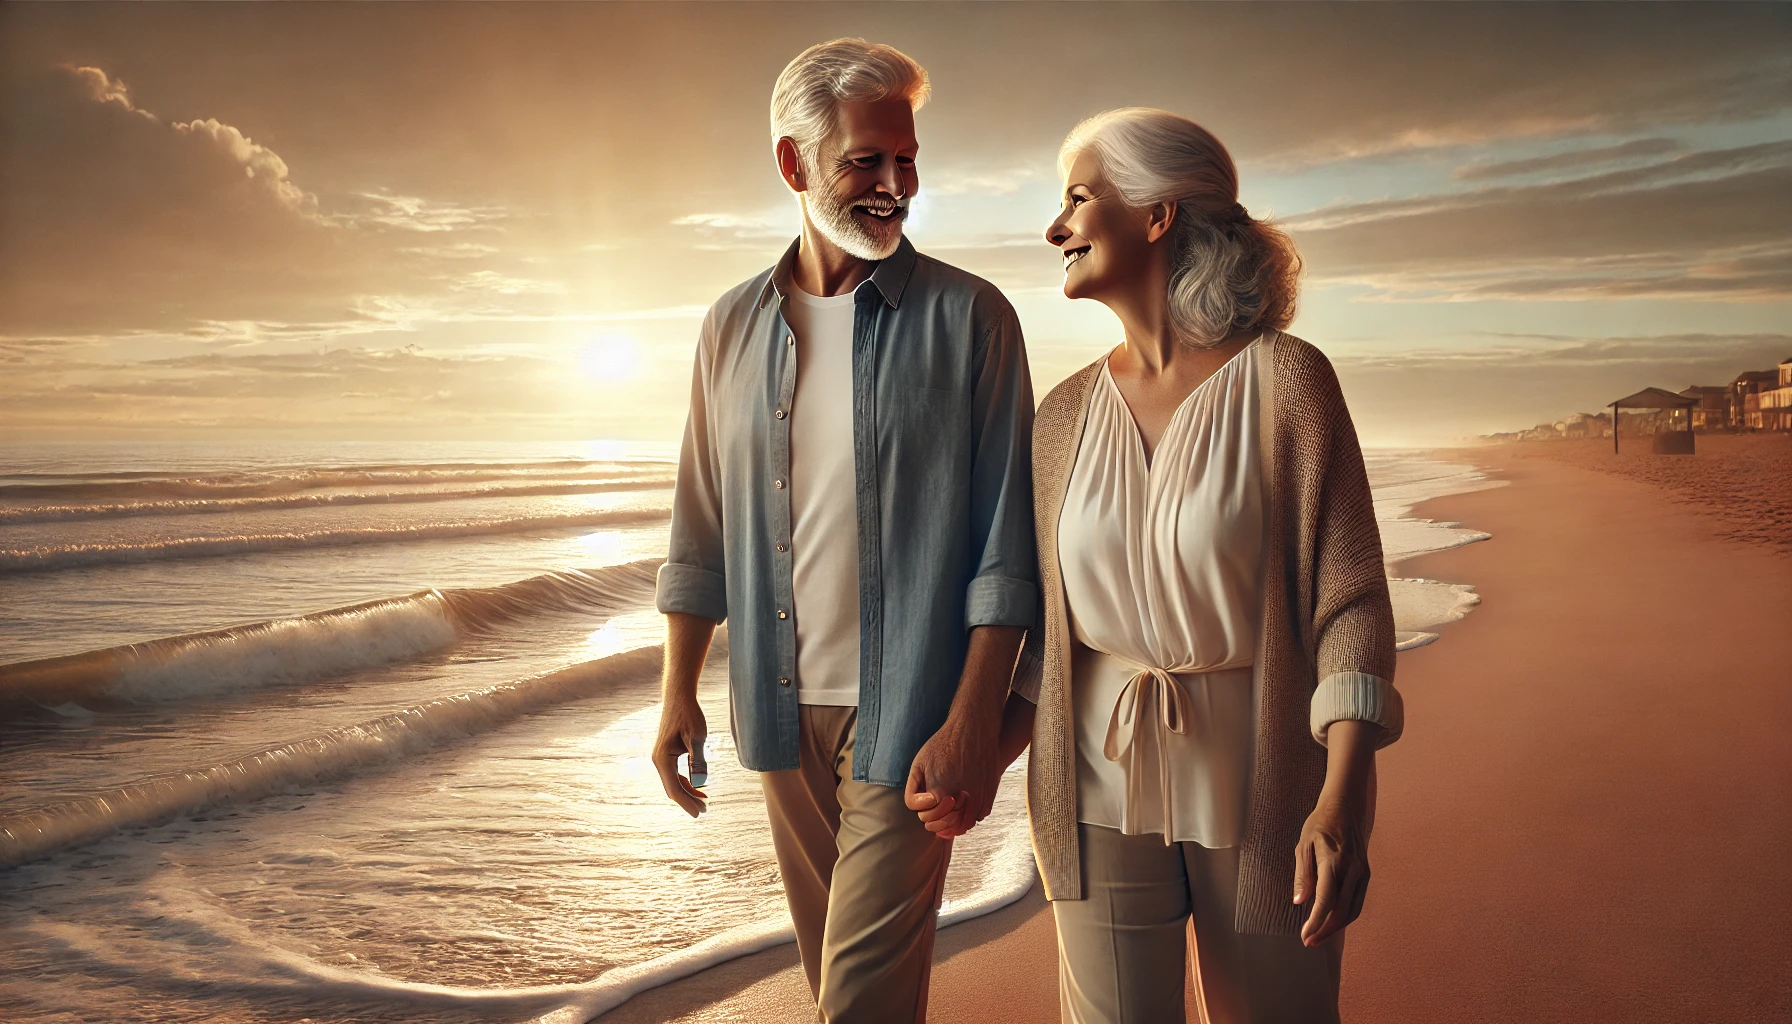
862	876
1122	949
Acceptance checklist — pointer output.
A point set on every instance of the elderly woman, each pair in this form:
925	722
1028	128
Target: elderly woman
1213	669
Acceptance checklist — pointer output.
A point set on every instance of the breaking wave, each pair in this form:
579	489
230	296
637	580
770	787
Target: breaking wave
67	556
315	646
197	506
39	831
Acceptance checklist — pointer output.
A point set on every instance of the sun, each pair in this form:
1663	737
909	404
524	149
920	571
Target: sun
609	358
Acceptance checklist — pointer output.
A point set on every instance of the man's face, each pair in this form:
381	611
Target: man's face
863	177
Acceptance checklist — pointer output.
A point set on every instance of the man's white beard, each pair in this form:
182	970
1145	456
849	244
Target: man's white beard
832	216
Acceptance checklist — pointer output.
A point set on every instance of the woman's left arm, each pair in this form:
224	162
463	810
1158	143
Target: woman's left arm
1355	709
1331	863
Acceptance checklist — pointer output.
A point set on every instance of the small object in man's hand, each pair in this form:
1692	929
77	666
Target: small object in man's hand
699	770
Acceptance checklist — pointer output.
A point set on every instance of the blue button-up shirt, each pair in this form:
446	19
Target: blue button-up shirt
942	418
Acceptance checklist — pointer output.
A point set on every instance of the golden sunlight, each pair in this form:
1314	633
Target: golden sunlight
610	358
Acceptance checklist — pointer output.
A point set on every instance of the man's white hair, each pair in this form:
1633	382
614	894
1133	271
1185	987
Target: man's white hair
807	96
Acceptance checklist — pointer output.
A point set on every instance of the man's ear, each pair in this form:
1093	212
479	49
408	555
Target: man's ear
1159	219
790	164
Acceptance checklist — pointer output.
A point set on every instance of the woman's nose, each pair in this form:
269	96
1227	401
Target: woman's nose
1056	233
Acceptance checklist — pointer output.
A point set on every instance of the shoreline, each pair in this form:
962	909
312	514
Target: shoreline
999	946
1593	764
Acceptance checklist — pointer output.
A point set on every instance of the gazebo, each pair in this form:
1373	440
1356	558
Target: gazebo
1669	442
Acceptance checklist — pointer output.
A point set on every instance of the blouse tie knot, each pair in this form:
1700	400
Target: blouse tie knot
1152	697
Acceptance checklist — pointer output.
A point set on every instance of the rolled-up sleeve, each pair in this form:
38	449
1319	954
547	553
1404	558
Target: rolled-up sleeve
1358	696
693	580
1004	589
1353	623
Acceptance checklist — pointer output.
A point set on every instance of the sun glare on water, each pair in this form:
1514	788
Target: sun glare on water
610	357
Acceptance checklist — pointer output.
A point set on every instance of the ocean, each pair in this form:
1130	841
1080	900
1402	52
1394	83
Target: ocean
358	732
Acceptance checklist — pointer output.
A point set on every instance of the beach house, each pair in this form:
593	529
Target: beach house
1713	410
1775	404
1745	397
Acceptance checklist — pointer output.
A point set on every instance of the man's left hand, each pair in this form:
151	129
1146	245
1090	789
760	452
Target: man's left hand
952	784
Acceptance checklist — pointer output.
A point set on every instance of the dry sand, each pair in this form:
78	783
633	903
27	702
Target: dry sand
1743	482
1590	816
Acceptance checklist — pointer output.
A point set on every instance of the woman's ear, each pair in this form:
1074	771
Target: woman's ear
1159	219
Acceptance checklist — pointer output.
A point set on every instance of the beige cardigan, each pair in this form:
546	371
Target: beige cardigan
1326	618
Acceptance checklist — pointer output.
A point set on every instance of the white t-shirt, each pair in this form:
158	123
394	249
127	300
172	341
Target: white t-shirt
824	528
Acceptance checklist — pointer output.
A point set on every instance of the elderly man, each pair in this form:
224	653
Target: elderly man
854	498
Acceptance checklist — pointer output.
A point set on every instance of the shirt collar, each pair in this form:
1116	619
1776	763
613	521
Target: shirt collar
890	277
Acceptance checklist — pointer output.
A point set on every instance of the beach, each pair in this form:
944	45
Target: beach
1588	816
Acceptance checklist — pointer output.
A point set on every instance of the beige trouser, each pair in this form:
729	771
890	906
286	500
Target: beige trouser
862	876
1122	949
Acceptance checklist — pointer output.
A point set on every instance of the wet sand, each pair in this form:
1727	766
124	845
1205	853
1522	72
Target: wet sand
1588	820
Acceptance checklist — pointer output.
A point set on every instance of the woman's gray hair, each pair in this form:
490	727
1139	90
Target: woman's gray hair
1229	271
812	86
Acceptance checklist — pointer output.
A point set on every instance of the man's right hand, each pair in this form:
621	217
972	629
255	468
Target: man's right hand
682	730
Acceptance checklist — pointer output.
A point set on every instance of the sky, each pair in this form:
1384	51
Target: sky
495	222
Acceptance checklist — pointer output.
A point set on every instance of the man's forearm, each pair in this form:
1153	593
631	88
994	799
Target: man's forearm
1017	729
687	647
988	670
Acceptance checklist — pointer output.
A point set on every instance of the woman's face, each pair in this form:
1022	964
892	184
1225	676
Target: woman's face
1105	243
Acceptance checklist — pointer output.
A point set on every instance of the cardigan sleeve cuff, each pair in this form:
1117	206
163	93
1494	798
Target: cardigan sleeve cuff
1358	696
993	600
688	590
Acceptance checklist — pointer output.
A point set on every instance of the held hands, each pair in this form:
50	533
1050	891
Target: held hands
952	784
682	731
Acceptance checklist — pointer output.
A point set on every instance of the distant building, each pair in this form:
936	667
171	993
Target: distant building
1745	397
1713	410
1755	400
1584	424
1775	405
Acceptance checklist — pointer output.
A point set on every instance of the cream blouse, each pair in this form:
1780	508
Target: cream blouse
1162	575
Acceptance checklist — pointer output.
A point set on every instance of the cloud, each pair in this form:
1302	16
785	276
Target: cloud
1571	160
415	213
260	164
114	220
992	182
1710	224
102	88
345	392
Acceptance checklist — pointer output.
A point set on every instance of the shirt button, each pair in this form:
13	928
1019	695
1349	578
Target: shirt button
778	483
779	414
782	549
782	614
790	339
782	681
